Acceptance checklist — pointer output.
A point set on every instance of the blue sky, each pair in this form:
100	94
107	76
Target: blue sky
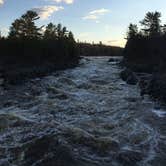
90	20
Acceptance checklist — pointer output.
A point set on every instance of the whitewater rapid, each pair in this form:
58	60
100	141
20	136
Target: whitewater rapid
94	117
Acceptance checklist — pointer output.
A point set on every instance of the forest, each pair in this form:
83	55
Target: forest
87	49
30	51
145	53
64	102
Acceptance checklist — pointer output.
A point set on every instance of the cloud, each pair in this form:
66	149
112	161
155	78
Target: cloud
96	14
90	17
1	2
99	11
65	1
46	11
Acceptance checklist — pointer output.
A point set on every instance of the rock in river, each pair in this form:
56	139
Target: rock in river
128	76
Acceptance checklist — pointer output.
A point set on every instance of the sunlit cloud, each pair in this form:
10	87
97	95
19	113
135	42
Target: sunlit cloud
46	11
1	2
96	14
65	1
90	17
99	11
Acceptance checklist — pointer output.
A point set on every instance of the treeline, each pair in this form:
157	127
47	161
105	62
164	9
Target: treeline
29	50
86	49
145	51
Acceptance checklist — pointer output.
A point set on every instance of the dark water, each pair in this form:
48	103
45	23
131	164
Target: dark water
83	116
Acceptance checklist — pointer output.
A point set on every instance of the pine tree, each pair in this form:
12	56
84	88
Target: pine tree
151	24
132	31
50	32
25	28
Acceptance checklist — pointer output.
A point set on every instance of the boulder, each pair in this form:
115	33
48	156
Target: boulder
157	87
113	60
100	145
128	76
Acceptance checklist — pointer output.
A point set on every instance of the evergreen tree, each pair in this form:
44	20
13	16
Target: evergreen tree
151	24
50	32
71	36
132	31
25	28
164	29
64	32
59	30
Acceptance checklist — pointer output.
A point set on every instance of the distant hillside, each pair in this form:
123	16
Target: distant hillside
86	49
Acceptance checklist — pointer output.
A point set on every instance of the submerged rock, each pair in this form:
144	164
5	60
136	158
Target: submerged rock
66	81
99	144
12	120
56	93
113	60
129	158
128	76
157	87
48	151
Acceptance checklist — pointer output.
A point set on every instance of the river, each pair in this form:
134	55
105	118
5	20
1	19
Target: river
86	116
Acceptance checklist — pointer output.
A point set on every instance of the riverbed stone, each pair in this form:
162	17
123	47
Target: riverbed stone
12	120
129	157
128	76
99	144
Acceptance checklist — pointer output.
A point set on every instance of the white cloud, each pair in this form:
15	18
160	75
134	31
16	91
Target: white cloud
96	14
46	11
65	1
99	11
90	17
1	2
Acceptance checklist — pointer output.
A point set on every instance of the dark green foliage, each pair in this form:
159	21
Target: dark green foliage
100	49
146	52
164	30
24	27
145	49
151	27
151	24
132	31
50	32
30	53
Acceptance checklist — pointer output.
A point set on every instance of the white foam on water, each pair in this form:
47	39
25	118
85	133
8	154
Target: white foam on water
159	113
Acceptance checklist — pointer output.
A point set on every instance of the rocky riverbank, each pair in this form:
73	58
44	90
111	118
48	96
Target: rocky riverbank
152	84
18	74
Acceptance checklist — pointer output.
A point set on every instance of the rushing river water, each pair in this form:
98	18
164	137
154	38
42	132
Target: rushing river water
85	116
